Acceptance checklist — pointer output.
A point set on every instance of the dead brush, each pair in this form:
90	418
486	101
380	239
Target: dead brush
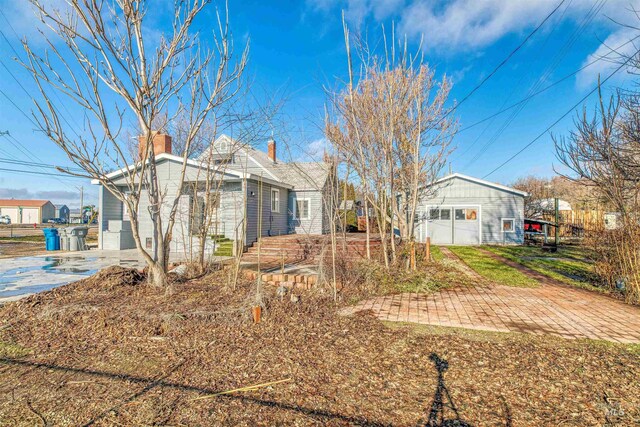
617	259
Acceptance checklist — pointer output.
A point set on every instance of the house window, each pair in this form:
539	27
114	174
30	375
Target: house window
302	209
197	214
445	214
275	200
434	214
508	225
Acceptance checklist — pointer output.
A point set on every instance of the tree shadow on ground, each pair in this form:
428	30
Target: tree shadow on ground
443	411
442	401
152	383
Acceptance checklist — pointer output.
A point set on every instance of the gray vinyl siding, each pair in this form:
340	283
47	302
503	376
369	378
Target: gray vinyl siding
239	200
110	208
318	219
494	205
273	223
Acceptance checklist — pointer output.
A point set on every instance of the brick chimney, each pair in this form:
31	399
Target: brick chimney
161	144
271	149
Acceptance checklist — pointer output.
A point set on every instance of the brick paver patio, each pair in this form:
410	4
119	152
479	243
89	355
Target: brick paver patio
553	308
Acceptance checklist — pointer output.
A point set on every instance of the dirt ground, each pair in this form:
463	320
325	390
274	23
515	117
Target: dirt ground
11	249
29	242
111	350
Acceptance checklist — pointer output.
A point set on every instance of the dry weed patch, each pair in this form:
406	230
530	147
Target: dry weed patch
110	350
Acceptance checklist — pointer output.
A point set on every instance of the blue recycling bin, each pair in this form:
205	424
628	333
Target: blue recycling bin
51	239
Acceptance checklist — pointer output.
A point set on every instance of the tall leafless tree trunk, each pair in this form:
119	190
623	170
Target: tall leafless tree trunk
100	56
394	130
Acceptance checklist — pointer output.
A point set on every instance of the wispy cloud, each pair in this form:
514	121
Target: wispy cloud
608	57
462	25
356	11
315	150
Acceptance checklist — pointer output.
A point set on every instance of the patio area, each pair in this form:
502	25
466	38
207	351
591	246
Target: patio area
552	308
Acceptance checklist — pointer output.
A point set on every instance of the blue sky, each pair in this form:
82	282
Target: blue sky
297	48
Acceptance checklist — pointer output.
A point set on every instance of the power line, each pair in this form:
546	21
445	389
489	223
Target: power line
47	165
17	144
18	108
504	61
568	76
41	173
512	91
27	92
593	12
561	117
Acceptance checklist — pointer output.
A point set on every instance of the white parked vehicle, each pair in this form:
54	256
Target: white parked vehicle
5	219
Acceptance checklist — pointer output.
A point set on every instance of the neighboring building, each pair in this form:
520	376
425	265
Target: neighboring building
550	205
293	197
462	210
27	211
62	212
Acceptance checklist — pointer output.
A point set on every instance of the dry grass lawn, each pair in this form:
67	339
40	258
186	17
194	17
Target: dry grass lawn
110	350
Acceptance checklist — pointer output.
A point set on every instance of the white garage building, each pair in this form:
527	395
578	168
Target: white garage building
463	210
27	211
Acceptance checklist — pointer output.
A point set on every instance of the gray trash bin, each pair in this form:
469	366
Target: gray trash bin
64	239
77	238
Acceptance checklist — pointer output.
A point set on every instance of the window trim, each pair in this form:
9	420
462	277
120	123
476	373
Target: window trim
513	229
276	199
300	218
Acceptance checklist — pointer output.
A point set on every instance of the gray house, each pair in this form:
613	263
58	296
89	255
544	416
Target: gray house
62	212
290	196
462	210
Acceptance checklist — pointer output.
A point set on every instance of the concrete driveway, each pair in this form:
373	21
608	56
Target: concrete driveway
24	276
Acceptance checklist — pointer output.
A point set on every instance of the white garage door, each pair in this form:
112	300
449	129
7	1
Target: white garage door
458	225
30	215
12	212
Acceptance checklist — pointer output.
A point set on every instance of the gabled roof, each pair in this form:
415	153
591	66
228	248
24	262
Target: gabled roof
304	175
299	175
61	206
23	203
482	182
165	156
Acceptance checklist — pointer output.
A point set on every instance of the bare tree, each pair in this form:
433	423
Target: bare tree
394	131
603	151
102	56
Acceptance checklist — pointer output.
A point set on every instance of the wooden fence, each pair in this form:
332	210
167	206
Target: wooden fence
576	222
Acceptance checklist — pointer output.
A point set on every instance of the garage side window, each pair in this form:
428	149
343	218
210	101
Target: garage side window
440	214
508	225
466	214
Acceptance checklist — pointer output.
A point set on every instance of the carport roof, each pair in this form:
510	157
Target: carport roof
23	203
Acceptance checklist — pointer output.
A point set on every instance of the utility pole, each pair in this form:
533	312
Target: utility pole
557	209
